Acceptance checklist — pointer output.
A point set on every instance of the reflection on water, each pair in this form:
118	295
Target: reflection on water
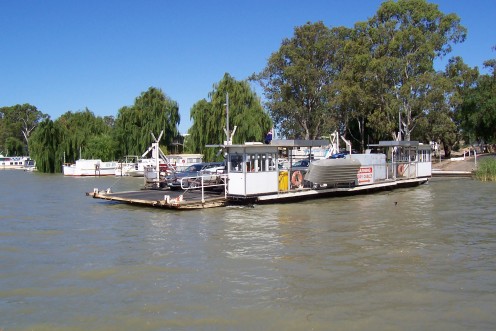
420	258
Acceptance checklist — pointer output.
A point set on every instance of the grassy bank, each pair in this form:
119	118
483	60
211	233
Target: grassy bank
486	169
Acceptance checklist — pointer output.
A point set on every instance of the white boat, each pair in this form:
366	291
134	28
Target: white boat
90	167
331	172
14	162
138	169
29	165
127	164
182	161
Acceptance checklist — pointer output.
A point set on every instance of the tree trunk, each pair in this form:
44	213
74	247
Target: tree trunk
447	151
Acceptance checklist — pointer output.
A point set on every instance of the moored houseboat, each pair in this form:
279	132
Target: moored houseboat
90	167
14	162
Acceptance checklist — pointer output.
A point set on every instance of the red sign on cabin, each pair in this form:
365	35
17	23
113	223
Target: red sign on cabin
365	175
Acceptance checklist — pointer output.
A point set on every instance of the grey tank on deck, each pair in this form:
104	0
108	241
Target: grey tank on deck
333	171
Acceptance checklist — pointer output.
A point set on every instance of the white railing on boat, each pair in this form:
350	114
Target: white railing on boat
198	183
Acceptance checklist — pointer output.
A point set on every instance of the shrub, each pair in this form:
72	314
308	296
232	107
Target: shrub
486	170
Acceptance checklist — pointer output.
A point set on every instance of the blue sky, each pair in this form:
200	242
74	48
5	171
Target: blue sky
66	55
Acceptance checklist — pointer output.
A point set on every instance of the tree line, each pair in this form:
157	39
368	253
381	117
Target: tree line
377	80
374	81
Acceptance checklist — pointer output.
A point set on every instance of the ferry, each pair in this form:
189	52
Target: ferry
253	175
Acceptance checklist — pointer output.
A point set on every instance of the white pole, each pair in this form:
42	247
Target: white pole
227	118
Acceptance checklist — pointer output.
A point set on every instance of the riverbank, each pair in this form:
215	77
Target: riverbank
459	167
457	164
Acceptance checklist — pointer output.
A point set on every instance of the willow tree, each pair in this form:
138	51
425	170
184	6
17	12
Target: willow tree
298	81
197	135
152	112
45	147
404	38
78	129
209	117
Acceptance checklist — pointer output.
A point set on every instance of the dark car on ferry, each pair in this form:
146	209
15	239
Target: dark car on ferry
342	155
301	165
191	176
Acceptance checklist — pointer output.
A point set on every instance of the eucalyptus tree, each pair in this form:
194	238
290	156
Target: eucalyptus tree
245	112
404	38
356	87
478	111
18	122
298	81
439	123
152	112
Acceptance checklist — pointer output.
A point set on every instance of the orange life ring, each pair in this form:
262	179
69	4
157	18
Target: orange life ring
401	169
297	178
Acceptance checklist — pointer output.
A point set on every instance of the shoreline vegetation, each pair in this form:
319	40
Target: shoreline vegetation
486	170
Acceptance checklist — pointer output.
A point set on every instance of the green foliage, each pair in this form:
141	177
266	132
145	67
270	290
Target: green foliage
45	147
478	111
100	147
486	170
16	125
14	146
152	112
444	102
403	39
298	81
360	80
209	118
203	120
77	129
67	137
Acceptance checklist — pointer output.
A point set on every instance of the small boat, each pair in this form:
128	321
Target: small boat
182	161
138	169
29	165
333	171
90	167
125	165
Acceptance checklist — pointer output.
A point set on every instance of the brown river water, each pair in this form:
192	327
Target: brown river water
421	258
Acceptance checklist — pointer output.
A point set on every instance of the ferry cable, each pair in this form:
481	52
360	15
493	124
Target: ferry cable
118	179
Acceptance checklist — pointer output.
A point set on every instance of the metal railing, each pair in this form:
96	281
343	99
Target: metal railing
198	183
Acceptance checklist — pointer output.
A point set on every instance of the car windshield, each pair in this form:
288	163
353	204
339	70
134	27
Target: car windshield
213	165
194	168
301	163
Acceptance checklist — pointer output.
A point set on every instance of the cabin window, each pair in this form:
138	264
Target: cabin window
263	162
271	161
252	162
424	156
236	162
